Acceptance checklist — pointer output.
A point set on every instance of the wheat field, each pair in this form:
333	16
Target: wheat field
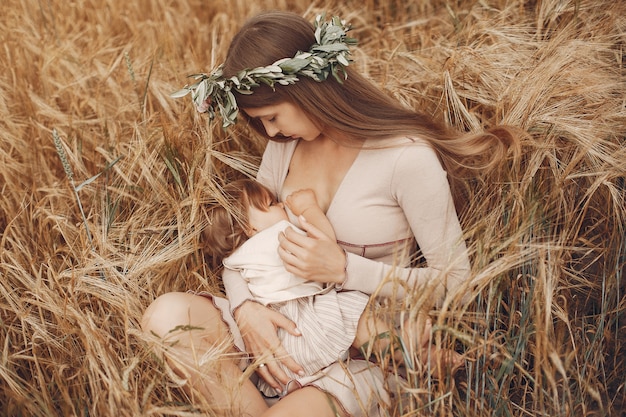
104	177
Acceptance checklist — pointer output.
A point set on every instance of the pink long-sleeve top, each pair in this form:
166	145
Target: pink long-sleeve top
390	199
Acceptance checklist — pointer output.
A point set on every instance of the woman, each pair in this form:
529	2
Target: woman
376	170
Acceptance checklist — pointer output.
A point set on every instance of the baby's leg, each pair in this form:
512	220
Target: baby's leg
437	361
378	334
367	328
375	338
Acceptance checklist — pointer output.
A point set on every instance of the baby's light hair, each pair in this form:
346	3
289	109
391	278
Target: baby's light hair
228	225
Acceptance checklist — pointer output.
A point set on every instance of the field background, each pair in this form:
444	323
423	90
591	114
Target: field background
84	88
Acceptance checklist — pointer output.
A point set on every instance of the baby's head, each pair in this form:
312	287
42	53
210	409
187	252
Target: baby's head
249	208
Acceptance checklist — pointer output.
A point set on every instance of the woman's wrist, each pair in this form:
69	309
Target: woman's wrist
344	275
245	305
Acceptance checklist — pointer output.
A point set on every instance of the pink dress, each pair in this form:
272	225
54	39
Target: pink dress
391	201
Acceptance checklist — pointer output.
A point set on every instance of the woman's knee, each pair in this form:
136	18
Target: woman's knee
161	312
178	310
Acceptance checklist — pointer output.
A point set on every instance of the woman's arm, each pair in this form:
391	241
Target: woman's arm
236	288
419	186
257	325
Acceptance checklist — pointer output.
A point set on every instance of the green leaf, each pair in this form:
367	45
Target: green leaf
180	93
293	65
92	179
328	56
342	60
332	47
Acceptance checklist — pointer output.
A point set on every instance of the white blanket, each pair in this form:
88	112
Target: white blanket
268	280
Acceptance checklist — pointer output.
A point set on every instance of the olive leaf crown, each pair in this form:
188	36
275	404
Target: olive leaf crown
330	55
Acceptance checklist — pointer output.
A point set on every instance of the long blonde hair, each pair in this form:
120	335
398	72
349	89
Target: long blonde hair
356	109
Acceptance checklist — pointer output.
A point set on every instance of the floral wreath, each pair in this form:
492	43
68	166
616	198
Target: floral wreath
330	55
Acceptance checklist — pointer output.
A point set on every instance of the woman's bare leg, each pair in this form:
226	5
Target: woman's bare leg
198	346
305	402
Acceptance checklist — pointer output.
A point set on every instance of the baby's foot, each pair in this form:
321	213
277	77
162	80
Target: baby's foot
440	362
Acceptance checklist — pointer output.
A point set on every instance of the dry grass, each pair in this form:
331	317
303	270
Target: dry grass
545	332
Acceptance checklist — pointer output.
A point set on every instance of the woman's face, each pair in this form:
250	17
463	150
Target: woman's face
285	120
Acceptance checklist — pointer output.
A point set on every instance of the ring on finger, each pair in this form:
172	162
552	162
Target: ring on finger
262	365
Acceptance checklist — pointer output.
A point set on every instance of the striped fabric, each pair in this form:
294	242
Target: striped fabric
357	385
328	325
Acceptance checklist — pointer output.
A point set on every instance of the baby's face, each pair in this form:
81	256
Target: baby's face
260	220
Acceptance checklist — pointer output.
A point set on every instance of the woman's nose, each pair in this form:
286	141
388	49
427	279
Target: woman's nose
270	129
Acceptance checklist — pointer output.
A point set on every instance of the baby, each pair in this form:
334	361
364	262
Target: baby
245	236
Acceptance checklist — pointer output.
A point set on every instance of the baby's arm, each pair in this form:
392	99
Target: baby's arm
304	203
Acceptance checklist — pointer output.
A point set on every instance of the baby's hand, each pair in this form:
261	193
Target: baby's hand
300	200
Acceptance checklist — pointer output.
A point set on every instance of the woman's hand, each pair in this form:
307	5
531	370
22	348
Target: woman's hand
258	326
314	257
